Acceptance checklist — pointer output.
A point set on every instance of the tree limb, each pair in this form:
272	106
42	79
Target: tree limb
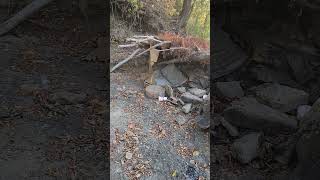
176	48
124	61
33	7
152	47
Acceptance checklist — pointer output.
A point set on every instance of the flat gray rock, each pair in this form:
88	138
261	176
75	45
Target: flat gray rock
302	111
190	98
197	92
168	90
313	115
159	79
246	148
154	91
174	75
233	131
228	57
249	113
229	89
268	74
203	121
280	97
182	89
187	108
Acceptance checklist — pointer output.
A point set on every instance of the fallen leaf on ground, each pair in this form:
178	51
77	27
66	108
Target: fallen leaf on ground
174	173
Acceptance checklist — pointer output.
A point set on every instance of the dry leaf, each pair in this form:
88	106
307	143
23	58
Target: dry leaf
174	173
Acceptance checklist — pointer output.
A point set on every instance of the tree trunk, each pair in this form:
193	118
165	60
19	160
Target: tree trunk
33	7
185	13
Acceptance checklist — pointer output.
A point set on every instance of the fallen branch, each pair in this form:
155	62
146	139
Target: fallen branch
148	37
176	48
33	7
143	36
127	45
124	61
142	40
152	47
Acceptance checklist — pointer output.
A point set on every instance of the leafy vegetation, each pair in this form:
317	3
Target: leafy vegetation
198	23
199	20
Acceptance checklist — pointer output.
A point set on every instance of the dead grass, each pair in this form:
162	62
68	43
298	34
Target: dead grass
185	41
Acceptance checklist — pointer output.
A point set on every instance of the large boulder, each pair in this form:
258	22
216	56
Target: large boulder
228	57
174	75
246	148
229	89
280	97
190	98
313	115
154	91
249	113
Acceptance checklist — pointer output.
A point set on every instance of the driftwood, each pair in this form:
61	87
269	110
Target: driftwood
33	7
124	61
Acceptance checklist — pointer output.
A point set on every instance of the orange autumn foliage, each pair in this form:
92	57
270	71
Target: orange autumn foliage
184	41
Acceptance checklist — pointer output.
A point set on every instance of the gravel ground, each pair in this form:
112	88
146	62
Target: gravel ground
146	141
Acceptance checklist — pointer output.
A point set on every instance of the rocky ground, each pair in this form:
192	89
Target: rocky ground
53	102
151	138
265	95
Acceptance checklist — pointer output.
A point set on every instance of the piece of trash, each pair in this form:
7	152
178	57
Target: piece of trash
205	96
195	153
129	155
163	98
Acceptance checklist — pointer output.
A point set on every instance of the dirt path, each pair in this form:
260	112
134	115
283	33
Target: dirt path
147	130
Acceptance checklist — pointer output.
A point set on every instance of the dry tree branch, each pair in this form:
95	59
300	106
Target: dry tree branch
176	48
128	45
33	7
152	47
135	52
124	61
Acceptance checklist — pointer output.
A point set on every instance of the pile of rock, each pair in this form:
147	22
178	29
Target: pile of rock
266	110
186	88
270	103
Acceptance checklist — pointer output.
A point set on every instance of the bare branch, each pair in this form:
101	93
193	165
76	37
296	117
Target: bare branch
157	45
33	7
176	48
127	45
124	61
